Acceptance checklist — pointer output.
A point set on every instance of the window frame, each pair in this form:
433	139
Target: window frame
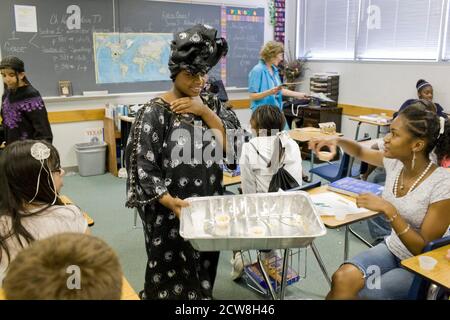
443	39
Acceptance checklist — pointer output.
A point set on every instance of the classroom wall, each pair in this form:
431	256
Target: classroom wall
375	84
66	135
384	84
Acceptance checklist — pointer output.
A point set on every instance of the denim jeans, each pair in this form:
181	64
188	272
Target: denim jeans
384	277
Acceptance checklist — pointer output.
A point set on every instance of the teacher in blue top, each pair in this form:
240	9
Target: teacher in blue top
264	83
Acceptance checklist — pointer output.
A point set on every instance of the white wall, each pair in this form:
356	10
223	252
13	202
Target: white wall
66	135
384	84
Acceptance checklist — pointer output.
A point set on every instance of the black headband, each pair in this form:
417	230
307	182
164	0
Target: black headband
12	63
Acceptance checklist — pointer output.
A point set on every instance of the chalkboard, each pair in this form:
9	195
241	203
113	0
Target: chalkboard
246	33
164	17
55	53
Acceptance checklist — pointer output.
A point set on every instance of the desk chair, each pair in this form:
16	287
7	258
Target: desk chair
333	171
306	187
420	286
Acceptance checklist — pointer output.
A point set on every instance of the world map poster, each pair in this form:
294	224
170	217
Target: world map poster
131	57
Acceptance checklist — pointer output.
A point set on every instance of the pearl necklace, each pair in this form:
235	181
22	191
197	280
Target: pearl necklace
415	182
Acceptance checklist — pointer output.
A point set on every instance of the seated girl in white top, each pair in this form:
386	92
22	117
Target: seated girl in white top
267	124
30	209
415	201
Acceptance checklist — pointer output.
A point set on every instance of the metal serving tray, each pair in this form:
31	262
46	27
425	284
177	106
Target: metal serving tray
256	221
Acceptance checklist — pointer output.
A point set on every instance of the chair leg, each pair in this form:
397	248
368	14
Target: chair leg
320	262
433	291
360	237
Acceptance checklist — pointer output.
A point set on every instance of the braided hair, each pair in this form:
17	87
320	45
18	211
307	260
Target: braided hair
423	123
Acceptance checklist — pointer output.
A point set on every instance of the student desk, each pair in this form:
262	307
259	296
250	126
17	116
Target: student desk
440	275
370	122
128	292
229	181
332	223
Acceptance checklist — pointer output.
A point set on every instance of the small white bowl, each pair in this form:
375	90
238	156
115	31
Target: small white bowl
222	220
427	263
325	155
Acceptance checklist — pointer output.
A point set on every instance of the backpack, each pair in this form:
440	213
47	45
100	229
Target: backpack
281	179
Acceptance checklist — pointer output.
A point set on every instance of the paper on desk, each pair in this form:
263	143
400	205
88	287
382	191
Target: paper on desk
321	96
330	204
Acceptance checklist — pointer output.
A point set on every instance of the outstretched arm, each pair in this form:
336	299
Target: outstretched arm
352	148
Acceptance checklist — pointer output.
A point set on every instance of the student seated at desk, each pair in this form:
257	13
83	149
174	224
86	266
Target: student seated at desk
415	201
424	92
259	161
378	226
67	266
30	209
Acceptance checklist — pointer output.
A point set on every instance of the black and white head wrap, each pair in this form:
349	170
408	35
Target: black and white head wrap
196	50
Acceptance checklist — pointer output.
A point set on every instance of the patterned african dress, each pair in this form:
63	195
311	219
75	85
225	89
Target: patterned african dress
24	115
175	270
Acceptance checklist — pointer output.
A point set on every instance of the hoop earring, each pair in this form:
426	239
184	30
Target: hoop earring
413	162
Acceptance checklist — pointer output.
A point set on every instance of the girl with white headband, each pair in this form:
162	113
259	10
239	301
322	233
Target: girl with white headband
30	208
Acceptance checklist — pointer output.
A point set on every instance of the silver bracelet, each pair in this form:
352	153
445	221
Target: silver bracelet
404	231
393	218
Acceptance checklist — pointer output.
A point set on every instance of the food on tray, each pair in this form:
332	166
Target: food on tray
222	220
222	224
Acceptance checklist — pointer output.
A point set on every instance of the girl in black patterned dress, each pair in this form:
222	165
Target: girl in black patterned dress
170	158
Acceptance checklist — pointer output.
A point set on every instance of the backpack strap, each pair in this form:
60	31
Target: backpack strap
274	160
267	161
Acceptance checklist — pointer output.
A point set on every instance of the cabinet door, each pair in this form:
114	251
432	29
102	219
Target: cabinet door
311	113
310	122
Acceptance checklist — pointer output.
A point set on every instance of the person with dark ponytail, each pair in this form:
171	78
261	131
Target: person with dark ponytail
23	110
415	201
